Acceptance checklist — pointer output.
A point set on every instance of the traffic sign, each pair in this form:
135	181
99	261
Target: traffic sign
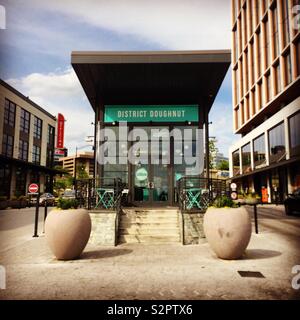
233	186
234	195
33	188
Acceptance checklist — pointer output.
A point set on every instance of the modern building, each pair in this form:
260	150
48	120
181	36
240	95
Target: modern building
27	134
151	91
218	159
84	160
266	97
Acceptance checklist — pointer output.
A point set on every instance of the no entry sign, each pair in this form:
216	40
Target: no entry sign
33	188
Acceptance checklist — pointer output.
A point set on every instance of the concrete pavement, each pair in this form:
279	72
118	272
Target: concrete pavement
137	271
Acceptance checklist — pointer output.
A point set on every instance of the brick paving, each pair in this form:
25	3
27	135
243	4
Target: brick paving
140	271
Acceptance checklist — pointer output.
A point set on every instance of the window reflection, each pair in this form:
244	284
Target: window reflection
277	144
246	158
294	124
259	152
236	162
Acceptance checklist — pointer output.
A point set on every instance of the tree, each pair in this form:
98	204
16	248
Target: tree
81	172
223	165
213	150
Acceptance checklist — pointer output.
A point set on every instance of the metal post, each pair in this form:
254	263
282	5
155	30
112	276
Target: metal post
36	221
207	153
45	214
255	218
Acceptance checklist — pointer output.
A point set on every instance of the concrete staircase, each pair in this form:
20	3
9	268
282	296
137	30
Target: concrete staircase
140	225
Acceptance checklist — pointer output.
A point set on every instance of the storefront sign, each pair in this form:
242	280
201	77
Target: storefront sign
155	113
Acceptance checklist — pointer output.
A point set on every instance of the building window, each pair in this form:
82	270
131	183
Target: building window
36	154
50	135
298	57
37	128
268	88
259	151
277	143
278	78
35	177
259	55
246	158
23	150
236	162
275	32
267	42
7	145
286	26
294	132
288	69
237	87
24	121
5	176
9	113
21	175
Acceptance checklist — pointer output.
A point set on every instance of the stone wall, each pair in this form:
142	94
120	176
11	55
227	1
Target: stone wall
103	228
193	228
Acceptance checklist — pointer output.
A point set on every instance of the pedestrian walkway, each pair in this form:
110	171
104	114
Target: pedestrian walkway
137	271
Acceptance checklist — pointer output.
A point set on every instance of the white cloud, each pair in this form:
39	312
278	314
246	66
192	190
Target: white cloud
174	24
60	92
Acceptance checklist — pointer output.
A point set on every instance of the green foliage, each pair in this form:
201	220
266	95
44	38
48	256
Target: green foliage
66	204
213	150
81	172
224	201
23	198
223	165
3	198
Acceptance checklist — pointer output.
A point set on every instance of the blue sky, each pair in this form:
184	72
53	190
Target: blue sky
36	46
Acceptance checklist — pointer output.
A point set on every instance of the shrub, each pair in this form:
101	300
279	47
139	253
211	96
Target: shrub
66	204
23	198
3	198
224	201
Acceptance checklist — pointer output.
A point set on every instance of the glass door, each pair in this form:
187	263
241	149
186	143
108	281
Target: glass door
151	181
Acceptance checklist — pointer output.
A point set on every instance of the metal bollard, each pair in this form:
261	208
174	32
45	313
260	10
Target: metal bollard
255	218
45	213
36	221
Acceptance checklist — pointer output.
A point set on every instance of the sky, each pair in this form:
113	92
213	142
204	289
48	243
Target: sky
36	46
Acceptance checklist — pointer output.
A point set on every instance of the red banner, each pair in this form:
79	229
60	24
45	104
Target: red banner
60	131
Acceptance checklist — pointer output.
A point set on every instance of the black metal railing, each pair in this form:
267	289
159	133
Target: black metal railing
197	193
99	193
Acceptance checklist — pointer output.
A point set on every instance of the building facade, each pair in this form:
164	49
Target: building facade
83	160
151	110
266	97
27	136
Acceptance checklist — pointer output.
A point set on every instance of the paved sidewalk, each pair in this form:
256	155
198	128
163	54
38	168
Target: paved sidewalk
150	271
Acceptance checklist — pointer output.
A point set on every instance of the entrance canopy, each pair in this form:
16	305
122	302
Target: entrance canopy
162	77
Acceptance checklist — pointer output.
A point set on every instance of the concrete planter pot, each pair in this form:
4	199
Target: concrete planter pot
67	232
228	231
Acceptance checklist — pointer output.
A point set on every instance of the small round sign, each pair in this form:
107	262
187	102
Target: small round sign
141	174
33	188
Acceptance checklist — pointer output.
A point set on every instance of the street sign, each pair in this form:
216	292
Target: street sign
234	195
33	188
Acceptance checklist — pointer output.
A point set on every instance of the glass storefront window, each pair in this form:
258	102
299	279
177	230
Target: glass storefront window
277	144
246	158
259	151
236	162
294	131
5	175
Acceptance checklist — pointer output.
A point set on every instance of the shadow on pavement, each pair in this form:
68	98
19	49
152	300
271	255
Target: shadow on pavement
254	254
100	254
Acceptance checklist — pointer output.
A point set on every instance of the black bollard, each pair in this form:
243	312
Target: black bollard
255	218
36	221
45	213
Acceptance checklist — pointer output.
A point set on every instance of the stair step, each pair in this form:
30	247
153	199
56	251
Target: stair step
152	231
147	239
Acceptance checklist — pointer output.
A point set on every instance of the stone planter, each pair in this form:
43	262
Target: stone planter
252	201
67	232
228	231
3	205
17	204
